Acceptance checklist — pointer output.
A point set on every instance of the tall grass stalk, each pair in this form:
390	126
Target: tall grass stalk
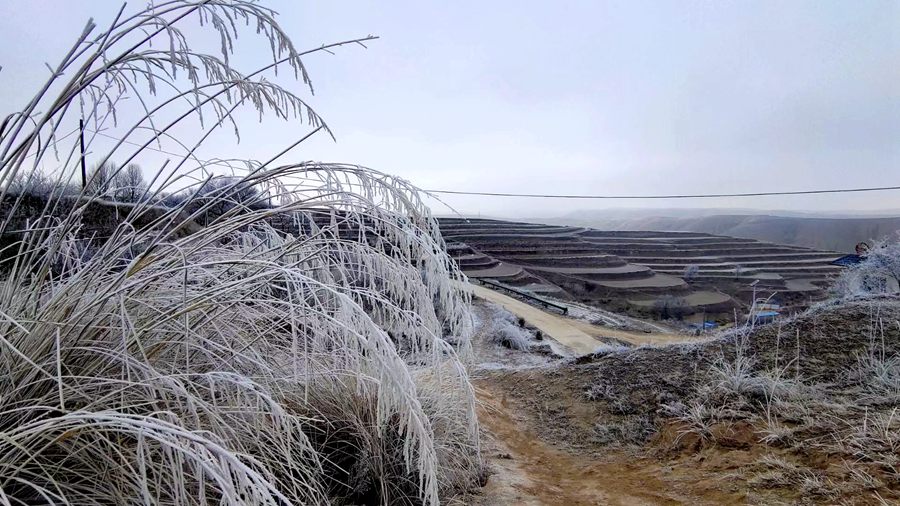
305	345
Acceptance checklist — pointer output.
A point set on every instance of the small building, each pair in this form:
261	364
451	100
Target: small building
766	316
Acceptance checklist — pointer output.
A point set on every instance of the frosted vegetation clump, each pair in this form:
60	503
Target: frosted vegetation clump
878	273
274	334
507	330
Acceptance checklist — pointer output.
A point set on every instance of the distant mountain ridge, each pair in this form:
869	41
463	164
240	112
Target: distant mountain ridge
831	234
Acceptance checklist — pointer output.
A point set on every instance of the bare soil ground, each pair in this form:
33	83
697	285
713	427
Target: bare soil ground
530	463
655	425
527	470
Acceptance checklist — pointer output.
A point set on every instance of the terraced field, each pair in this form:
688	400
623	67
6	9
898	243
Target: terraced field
643	268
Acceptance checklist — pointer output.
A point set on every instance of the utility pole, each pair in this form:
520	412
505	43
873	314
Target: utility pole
83	163
753	302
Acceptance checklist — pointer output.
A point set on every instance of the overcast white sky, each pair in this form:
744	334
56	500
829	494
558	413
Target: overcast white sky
626	97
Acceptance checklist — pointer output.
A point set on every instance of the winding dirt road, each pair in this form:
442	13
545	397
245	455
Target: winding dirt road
579	336
555	327
527	471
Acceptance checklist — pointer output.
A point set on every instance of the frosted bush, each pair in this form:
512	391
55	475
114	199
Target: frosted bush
691	272
878	273
510	335
505	329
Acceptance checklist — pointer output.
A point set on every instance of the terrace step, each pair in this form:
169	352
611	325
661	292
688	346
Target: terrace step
762	265
730	259
687	253
532	231
642	234
571	261
628	271
653	284
543	250
479	263
664	244
501	270
704	300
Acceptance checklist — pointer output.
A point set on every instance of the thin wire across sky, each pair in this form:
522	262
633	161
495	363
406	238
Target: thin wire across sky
675	196
594	197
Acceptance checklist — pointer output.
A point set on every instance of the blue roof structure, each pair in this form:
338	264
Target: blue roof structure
848	260
763	316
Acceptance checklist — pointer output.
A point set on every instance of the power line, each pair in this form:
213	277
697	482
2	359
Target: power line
149	148
132	143
562	196
685	196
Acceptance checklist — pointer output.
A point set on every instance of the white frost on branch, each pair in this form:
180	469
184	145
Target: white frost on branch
878	273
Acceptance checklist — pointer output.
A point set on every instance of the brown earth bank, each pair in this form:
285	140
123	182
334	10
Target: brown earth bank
805	412
529	467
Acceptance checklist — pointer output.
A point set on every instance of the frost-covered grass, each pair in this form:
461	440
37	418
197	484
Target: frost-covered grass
816	387
506	330
852	419
878	366
607	348
878	273
263	358
881	371
510	335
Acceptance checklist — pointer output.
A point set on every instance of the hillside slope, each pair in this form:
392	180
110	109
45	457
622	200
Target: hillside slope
831	234
804	412
637	270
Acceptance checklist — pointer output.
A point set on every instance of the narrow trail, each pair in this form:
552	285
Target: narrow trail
527	471
579	336
538	437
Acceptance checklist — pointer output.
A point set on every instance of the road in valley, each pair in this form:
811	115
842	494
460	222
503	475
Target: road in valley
579	336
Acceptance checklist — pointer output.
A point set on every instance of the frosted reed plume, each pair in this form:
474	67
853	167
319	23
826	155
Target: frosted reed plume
288	334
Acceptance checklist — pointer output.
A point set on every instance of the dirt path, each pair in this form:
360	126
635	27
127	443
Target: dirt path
555	327
542	445
527	471
635	338
579	336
